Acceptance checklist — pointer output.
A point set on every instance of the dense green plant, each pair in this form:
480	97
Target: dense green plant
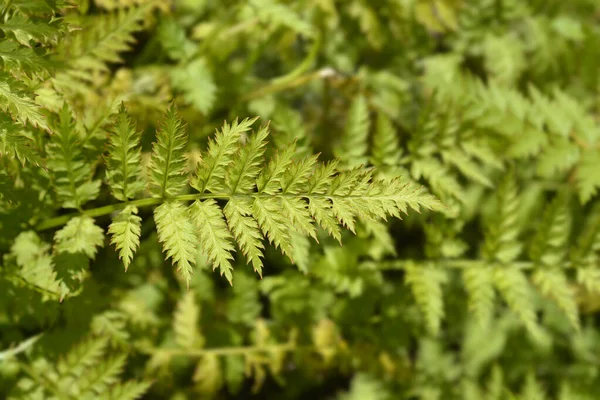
390	199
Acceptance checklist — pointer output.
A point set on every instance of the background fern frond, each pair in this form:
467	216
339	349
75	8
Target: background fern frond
72	173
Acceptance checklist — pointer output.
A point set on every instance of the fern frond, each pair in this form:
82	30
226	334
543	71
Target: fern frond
107	36
426	284
386	146
269	180
168	164
215	238
72	174
36	265
584	255
22	60
352	150
186	322
588	175
123	167
267	212
246	231
196	82
177	235
126	229
501	240
26	30
549	246
14	143
479	283
532	389
212	169
281	14
246	166
103	376
17	105
79	235
555	285
82	356
514	287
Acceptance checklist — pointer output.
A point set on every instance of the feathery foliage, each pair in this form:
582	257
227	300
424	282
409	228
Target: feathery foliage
415	216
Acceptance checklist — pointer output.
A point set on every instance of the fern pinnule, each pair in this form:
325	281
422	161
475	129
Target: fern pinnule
246	231
267	211
386	146
215	240
168	164
221	150
426	284
186	321
514	287
71	172
177	235
479	284
124	159
352	151
246	166
548	250
269	180
126	229
16	103
79	235
501	239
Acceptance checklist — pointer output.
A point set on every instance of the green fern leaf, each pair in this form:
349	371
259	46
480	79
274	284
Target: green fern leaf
72	173
196	82
246	231
123	166
514	287
554	285
82	356
271	221
103	376
386	147
281	14
426	284
212	169
79	235
269	180
126	229
241	176
352	150
23	60
15	103
215	238
26	30
588	175
549	247
13	143
186	323
501	241
36	265
177	235
103	40
479	283
532	389
295	178
168	166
